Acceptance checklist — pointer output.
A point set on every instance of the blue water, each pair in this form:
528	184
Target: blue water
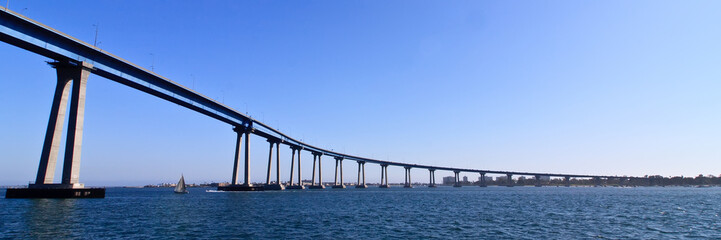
444	212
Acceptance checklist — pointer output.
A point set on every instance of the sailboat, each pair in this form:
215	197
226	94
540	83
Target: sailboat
180	188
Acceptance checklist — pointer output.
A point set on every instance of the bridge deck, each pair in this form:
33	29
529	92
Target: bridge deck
35	37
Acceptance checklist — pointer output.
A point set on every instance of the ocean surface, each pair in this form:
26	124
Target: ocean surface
418	213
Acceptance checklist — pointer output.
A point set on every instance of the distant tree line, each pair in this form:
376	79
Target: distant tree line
654	180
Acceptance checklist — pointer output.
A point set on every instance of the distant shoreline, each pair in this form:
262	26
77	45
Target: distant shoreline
419	185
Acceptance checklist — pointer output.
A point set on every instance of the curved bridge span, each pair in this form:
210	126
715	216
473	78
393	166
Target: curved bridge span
75	60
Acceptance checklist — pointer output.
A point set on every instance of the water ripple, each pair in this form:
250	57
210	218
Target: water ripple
418	213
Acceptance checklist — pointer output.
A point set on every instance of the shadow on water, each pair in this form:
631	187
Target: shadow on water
51	218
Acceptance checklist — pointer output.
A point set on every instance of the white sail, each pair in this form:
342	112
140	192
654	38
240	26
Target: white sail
180	188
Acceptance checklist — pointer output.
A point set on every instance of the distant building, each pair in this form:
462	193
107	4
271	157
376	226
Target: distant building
465	179
449	180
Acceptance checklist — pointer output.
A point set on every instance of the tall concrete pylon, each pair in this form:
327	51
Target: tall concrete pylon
72	78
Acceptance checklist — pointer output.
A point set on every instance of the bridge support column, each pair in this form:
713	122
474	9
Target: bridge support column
74	141
409	183
292	163
300	178
482	181
567	181
510	180
277	164
538	181
312	179
456	179
384	176
317	155
338	161
361	175
246	178
276	185
364	173
246	186
386	167
291	184
335	176
77	76
432	180
71	78
239	130
341	172
320	171
270	161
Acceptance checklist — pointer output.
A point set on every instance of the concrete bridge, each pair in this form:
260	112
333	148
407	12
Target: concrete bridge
75	61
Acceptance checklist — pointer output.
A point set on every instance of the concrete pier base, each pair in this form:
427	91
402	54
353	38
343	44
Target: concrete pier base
483	185
55	193
316	187
361	186
274	187
432	185
240	188
384	186
295	187
539	185
408	186
339	186
457	185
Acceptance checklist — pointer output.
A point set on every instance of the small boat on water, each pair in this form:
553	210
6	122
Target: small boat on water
180	188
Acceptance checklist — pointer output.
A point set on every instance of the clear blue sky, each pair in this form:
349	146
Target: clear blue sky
587	87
